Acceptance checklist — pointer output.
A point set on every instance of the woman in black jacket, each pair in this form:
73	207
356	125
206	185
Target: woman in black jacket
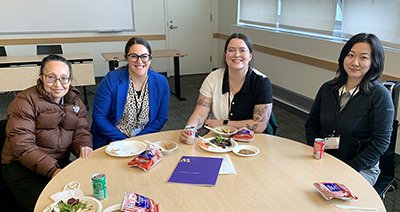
354	110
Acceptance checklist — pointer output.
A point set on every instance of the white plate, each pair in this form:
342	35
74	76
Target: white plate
219	130
90	200
126	148
112	208
249	147
219	149
243	140
172	146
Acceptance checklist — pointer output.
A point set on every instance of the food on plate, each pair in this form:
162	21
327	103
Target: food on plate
147	159
334	190
167	145
247	152
221	141
136	202
114	151
72	205
224	130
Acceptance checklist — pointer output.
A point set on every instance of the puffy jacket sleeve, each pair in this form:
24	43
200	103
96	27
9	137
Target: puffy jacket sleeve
21	127
161	103
82	136
381	121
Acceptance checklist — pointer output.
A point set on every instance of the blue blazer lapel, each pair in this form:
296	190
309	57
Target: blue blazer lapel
153	95
122	93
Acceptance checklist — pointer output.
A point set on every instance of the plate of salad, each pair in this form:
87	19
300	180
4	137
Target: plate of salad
218	144
75	204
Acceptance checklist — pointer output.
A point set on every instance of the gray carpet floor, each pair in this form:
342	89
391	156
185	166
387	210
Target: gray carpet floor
290	125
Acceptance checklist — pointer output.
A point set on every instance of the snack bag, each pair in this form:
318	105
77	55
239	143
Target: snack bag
334	190
147	159
134	202
244	135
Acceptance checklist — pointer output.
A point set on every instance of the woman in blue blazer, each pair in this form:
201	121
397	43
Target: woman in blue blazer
131	101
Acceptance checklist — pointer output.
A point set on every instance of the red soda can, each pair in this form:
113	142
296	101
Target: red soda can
319	148
190	132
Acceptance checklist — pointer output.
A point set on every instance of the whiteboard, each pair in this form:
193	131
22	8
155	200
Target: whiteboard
47	16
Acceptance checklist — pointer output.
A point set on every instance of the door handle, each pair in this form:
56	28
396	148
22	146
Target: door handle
173	27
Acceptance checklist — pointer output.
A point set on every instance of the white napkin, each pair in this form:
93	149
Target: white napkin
227	166
70	190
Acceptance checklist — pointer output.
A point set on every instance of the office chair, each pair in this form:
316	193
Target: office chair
3	53
3	137
48	49
386	179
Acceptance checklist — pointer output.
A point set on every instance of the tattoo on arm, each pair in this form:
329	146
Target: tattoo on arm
199	123
203	103
252	128
262	112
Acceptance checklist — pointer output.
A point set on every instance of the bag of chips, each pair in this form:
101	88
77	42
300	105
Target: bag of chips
147	159
134	202
244	135
334	190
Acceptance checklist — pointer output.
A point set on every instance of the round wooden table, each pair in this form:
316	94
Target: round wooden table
279	178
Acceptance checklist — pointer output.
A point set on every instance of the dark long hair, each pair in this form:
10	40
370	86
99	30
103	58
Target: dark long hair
248	43
377	59
54	57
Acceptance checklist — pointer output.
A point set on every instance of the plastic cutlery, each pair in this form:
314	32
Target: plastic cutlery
208	142
358	208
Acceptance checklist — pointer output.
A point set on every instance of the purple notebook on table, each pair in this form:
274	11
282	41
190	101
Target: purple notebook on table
196	170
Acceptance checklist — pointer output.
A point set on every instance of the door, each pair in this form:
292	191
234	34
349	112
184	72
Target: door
189	30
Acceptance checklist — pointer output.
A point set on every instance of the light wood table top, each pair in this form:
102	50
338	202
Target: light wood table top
279	178
115	56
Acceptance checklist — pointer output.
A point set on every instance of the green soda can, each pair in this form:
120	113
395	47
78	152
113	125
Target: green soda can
99	186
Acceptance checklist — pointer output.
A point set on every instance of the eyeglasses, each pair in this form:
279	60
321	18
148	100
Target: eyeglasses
144	57
233	51
52	79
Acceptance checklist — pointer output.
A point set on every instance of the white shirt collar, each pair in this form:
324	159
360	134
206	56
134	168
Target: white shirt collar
351	91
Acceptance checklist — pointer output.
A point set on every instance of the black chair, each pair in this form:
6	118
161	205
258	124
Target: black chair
3	53
48	49
386	180
3	137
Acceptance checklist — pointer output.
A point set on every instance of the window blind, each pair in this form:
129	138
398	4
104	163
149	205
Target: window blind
308	15
259	12
380	17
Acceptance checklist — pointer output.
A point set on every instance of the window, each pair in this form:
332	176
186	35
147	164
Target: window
326	18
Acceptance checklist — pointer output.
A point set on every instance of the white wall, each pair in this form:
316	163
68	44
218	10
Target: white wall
149	20
295	76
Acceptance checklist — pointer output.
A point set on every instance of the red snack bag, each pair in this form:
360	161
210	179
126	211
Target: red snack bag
244	134
147	159
334	190
134	202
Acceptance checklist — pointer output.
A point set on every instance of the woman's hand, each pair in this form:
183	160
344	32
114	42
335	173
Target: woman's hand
86	152
55	173
213	123
183	137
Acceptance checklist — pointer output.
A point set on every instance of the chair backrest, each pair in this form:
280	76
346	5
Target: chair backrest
48	49
387	160
3	137
3	51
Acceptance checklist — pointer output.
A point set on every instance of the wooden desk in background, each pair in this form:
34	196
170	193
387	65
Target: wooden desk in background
20	77
111	57
279	178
